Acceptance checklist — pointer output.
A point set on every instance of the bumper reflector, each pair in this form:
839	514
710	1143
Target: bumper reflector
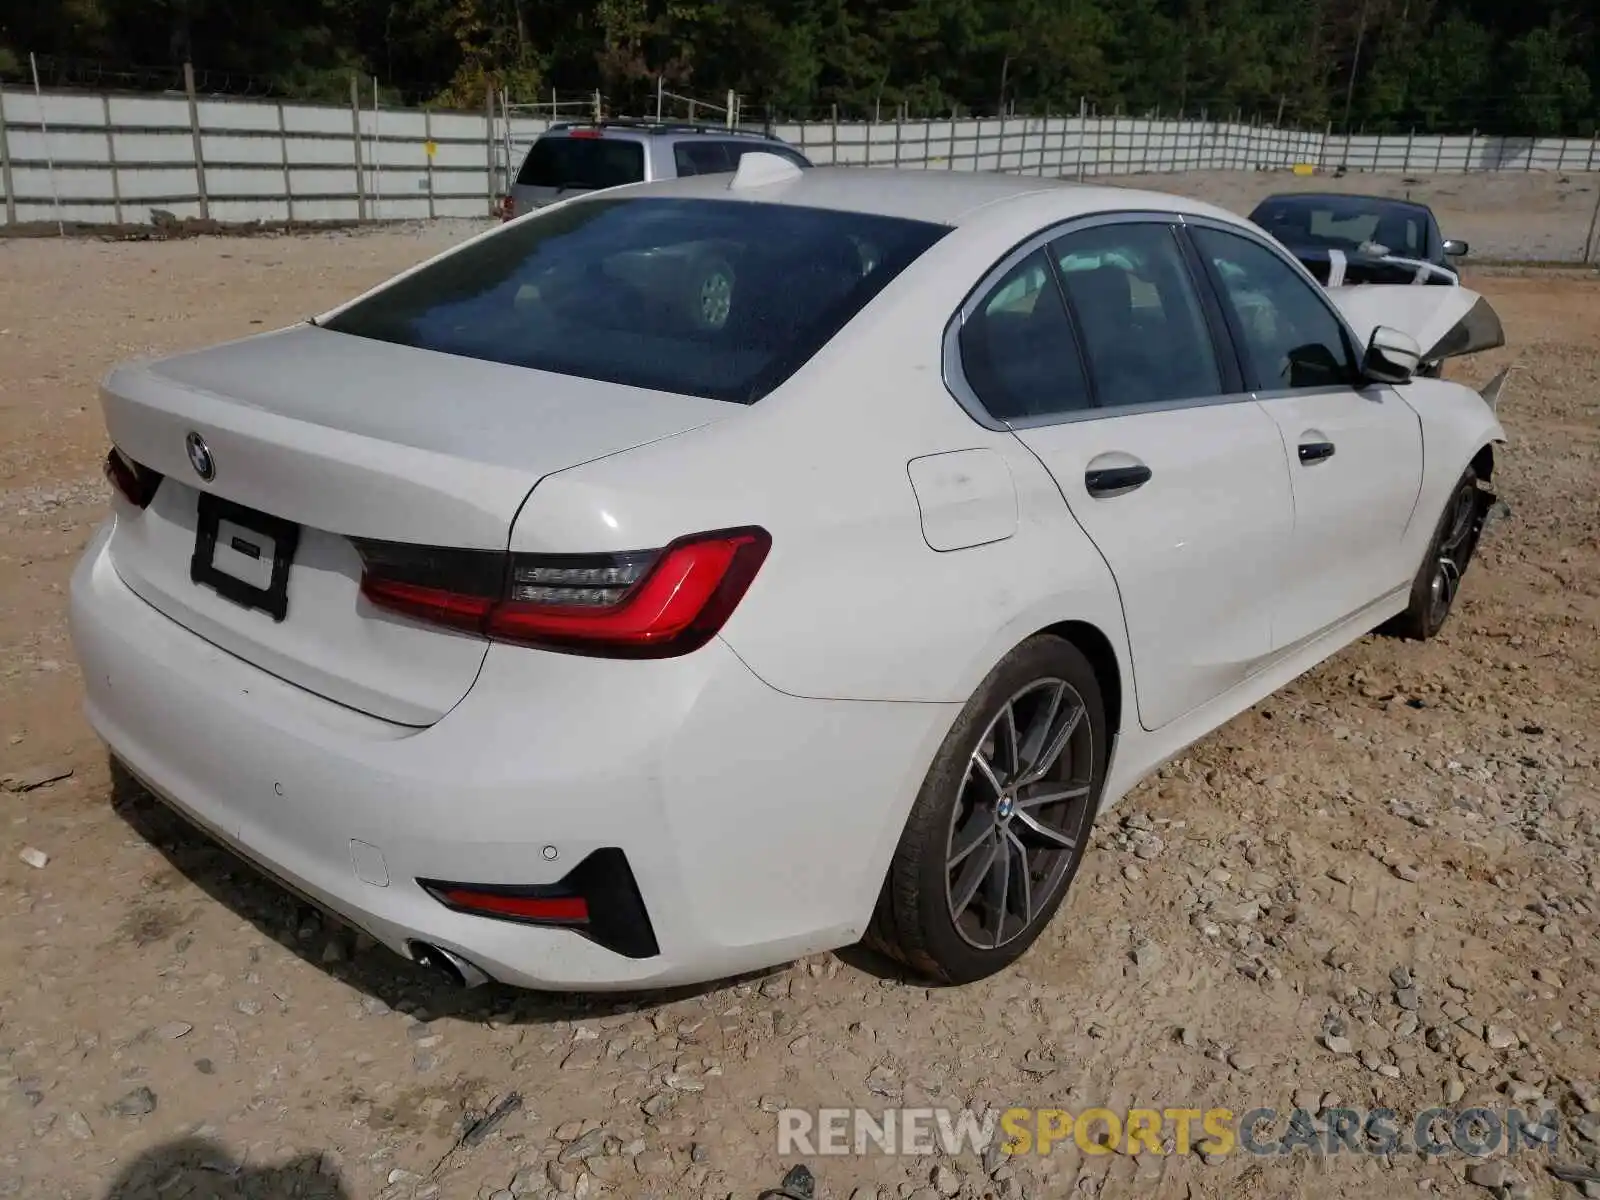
553	910
598	899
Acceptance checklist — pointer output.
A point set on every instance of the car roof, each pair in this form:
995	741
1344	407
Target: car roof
623	128
1356	197
940	197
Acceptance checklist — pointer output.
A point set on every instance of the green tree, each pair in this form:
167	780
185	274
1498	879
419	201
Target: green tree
1452	70
1550	92
1439	65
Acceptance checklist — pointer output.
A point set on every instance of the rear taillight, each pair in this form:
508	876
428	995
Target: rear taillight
136	483
508	208
647	604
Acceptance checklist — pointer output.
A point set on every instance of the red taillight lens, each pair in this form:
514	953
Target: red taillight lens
437	605
508	208
586	133
677	605
598	899
650	604
136	483
546	910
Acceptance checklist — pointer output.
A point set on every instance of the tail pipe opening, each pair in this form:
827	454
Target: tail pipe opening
447	964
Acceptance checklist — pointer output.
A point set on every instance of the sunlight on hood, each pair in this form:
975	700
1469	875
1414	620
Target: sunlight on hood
1446	321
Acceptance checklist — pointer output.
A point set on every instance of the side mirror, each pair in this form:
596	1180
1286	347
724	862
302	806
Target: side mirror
1454	249
1392	356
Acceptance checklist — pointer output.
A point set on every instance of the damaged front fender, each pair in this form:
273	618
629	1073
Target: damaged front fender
1491	391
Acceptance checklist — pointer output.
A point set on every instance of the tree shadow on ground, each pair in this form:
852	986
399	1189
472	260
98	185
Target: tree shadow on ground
197	1168
307	932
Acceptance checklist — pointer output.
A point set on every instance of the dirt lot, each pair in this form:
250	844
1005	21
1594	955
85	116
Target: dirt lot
172	1026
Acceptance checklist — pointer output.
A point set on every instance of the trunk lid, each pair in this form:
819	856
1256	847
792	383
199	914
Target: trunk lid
342	437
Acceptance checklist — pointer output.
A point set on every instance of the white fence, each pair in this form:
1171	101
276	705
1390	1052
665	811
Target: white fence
102	159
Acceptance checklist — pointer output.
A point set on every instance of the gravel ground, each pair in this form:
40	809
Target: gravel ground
1376	888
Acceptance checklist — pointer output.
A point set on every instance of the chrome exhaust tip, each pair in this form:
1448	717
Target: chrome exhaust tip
447	963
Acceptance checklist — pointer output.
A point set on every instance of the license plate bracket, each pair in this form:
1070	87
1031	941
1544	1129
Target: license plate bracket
281	538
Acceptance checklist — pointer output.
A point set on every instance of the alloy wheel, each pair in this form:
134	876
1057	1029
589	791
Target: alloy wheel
1455	548
1020	815
716	298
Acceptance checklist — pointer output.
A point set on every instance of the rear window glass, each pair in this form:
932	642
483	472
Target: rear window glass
575	163
717	298
715	158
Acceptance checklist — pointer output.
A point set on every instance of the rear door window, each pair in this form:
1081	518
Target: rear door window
716	157
717	298
582	163
1136	307
701	158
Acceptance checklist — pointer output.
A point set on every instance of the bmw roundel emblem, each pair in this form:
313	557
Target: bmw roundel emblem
200	457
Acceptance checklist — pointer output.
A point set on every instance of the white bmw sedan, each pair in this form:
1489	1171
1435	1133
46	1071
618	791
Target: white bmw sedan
696	575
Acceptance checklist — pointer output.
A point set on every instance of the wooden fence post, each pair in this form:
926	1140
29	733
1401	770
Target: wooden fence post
488	140
355	139
194	132
1588	242
5	165
283	157
428	151
111	160
377	155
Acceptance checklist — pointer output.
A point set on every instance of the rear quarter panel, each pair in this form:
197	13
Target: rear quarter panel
852	603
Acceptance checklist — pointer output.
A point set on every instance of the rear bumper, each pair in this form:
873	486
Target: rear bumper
757	825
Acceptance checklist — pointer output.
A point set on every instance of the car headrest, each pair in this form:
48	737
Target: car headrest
1101	293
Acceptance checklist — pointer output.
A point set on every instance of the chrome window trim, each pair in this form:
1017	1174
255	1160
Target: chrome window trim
1113	411
1328	389
955	380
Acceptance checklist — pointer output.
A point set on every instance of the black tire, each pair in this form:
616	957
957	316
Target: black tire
1043	822
1438	579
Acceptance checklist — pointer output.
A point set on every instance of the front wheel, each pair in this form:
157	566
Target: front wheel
1438	580
1000	825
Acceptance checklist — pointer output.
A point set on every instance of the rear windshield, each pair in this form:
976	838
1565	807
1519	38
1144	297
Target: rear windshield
717	298
582	163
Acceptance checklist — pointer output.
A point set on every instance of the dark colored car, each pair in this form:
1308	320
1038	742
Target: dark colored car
1362	239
